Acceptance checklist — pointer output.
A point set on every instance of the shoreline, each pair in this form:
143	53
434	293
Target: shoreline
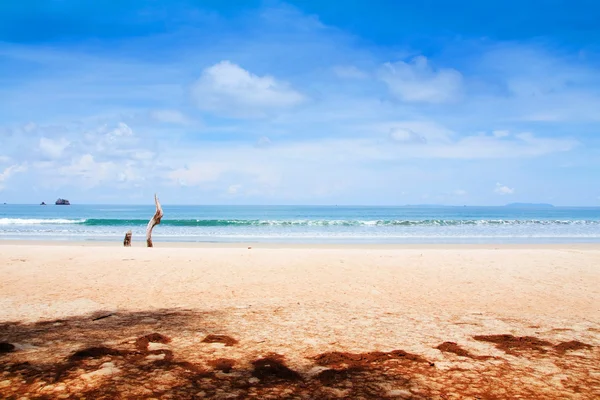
297	245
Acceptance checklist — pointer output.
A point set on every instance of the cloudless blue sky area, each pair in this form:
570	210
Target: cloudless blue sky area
300	102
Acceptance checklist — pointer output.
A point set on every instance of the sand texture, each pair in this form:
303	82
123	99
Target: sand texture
439	322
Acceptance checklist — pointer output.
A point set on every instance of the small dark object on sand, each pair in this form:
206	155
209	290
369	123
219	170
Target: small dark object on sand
6	347
127	240
226	340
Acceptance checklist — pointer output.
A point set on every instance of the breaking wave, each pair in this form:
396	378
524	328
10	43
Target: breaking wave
300	222
37	221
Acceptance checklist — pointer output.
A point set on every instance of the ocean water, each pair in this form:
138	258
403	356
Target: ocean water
304	224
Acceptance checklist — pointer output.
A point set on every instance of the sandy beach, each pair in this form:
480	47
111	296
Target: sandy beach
285	321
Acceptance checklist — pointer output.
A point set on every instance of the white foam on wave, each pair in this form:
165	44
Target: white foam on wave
416	222
36	221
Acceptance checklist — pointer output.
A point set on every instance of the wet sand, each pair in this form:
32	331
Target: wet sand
282	321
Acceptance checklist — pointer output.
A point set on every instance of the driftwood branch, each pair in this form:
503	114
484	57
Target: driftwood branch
154	221
127	240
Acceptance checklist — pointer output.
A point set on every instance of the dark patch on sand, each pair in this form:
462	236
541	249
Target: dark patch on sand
96	352
331	377
514	344
143	341
222	364
272	368
190	371
226	340
363	360
451	347
6	347
573	345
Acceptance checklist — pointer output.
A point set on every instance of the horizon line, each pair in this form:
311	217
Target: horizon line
515	205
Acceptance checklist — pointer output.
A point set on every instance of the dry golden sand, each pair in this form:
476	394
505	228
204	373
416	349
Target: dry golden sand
439	322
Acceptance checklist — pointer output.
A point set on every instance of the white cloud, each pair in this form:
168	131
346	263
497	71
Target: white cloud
88	172
437	141
10	171
546	145
413	131
538	83
247	165
500	133
130	173
114	141
122	129
299	169
292	170
406	136
234	189
349	72
227	89
503	189
110	155
482	147
53	148
169	117
198	173
419	83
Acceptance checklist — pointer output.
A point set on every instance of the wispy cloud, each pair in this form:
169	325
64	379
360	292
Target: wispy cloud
228	89
503	189
349	72
9	171
417	81
169	117
53	148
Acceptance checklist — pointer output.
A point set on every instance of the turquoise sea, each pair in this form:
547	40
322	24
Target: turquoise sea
305	224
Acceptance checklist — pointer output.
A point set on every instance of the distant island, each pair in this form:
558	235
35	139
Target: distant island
42	204
62	202
530	205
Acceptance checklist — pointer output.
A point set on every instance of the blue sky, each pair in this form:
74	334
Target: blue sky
300	102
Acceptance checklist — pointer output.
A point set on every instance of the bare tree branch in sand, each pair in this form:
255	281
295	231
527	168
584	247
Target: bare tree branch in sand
127	240
154	221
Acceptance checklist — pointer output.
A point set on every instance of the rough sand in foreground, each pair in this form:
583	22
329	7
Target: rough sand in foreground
99	322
